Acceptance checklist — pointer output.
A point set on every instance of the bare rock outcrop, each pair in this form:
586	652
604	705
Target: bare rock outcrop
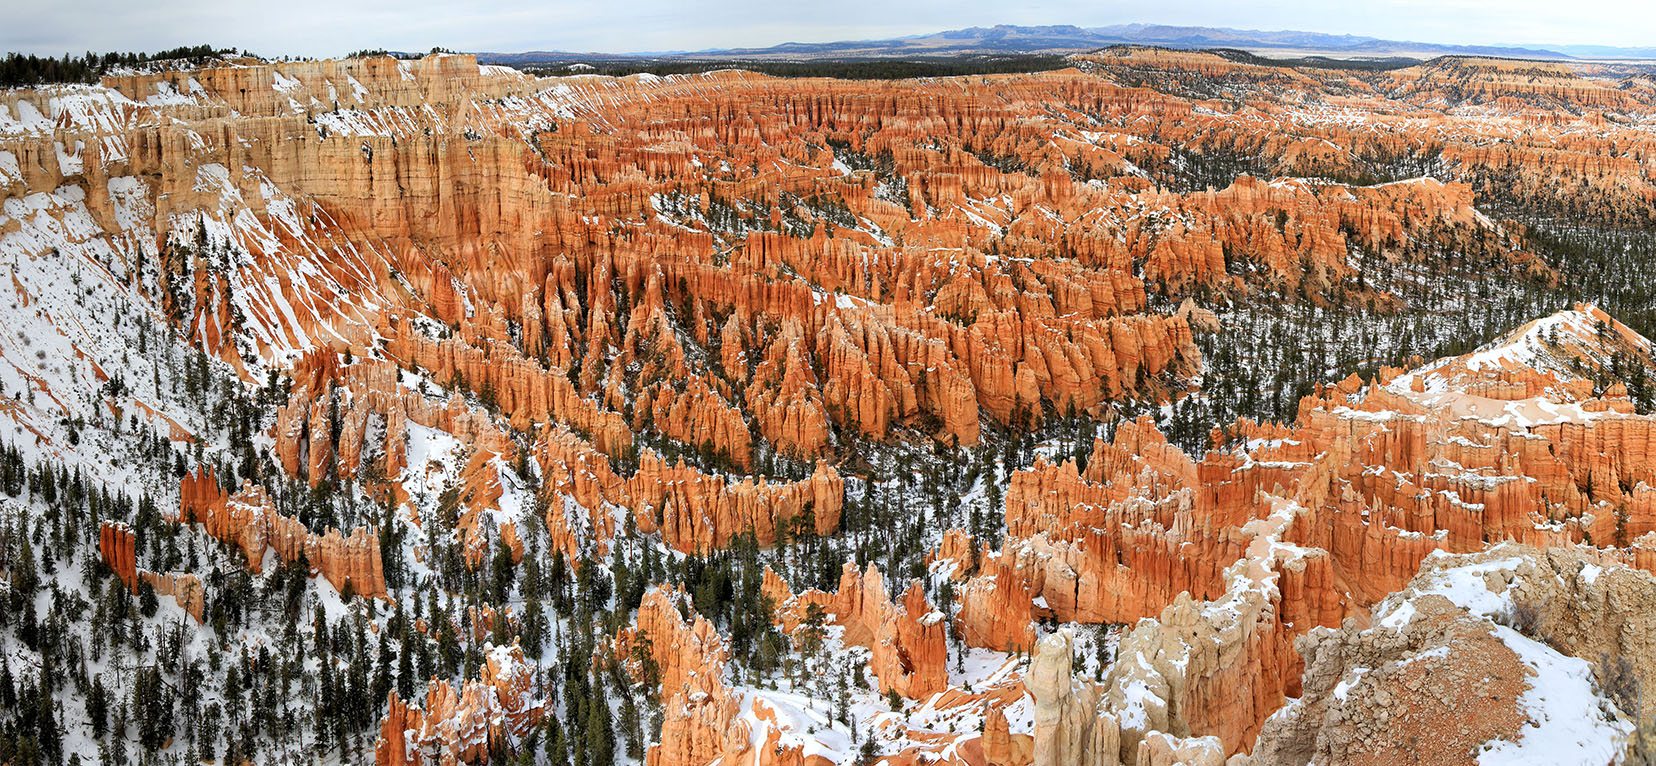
1493	641
496	711
249	521
701	724
119	550
905	636
1069	727
118	547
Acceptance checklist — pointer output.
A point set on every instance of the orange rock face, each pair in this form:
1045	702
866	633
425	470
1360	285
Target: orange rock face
497	711
686	298
701	724
997	608
697	512
693	511
1112	545
700	415
250	522
480	250
117	546
1283	528
909	651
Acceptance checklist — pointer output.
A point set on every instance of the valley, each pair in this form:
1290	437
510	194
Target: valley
1164	407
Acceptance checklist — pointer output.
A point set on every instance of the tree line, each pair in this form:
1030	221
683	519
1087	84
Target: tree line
18	69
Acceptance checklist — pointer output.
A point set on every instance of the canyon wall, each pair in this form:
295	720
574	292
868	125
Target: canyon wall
495	712
690	301
249	521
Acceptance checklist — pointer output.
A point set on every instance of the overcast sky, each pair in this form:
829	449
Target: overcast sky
336	27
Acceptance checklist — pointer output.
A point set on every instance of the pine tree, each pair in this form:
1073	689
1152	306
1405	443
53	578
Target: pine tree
405	671
97	708
382	673
600	739
557	749
631	728
48	734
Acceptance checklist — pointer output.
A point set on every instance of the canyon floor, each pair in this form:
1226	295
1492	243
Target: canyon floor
1164	408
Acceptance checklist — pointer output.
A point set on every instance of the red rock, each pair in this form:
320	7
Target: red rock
907	641
117	546
498	710
249	521
184	587
701	724
997	608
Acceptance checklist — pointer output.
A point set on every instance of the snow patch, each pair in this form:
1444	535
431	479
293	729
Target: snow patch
1569	723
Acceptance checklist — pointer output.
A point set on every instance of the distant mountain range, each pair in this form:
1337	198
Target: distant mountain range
1012	40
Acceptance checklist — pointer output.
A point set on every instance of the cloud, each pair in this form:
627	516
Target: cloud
335	27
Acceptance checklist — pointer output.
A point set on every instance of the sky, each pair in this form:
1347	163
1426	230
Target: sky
337	27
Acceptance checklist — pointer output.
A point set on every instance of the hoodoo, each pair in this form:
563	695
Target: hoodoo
1036	401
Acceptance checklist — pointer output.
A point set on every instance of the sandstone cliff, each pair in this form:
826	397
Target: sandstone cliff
905	636
117	546
250	522
1564	626
672	291
701	724
1287	528
496	711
